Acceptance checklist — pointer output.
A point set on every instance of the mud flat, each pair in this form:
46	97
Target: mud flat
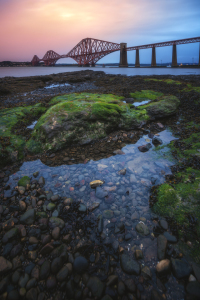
100	187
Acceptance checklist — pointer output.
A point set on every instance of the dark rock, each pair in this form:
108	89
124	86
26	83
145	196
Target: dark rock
41	181
6	249
48	248
28	217
181	269
23	280
56	222
31	294
155	295
70	289
5	265
80	264
156	141
129	265
121	288
127	237
3	285
145	148
193	288
62	274
170	238
96	286
51	282
146	273
196	270
142	229
31	283
164	224
112	279
56	265
12	233
130	285
13	295
162	246
45	270
16	250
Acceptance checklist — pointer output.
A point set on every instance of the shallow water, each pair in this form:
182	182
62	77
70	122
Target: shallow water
141	103
36	71
57	85
123	195
32	125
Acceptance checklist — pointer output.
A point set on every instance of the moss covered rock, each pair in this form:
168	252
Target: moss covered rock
24	181
82	118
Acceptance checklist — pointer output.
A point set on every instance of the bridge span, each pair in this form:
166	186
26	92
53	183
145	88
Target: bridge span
88	51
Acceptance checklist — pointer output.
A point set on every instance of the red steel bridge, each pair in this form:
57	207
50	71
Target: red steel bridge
88	51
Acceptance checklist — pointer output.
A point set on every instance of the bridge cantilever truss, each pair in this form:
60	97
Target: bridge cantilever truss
88	51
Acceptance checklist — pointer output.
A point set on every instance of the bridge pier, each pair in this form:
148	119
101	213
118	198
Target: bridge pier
137	59
174	56
123	56
153	57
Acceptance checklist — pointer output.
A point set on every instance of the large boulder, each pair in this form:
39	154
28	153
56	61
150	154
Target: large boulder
82	118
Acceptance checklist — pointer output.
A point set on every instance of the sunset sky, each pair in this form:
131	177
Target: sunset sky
31	27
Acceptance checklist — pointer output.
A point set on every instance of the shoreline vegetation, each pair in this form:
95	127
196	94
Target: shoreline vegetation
55	243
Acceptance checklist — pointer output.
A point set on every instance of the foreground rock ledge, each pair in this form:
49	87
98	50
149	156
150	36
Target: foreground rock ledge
82	118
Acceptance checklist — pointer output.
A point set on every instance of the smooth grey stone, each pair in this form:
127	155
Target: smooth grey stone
170	238
129	265
45	270
5	265
164	224
181	269
23	280
142	229
62	274
13	295
96	286
80	264
193	288
28	217
162	246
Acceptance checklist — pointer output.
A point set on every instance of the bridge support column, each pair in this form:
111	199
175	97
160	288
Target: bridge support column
123	56
174	56
137	59
153	58
199	54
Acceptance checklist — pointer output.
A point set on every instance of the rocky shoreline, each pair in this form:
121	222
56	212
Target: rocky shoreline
57	247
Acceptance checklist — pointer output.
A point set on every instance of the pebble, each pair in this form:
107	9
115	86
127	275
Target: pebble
80	264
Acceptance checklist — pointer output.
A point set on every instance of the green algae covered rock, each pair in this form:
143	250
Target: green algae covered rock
82	118
24	181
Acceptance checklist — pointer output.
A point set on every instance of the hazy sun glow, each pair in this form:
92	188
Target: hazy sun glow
31	27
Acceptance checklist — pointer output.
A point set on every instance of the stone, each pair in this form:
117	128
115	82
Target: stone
31	283
82	208
36	174
193	289
130	285
16	250
180	268
80	264
31	294
11	234
62	274
161	246
13	295
33	240
129	265
28	217
146	273
138	254
41	180
32	255
56	222
100	193
21	190
112	279
51	206
94	206
155	295
163	268
96	286
156	141
145	148
191	278
5	265
108	214
23	280
170	238
121	289
45	270
135	216
96	183
196	270
22	205
142	229
55	198
48	248
122	172
56	233
164	224
22	292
